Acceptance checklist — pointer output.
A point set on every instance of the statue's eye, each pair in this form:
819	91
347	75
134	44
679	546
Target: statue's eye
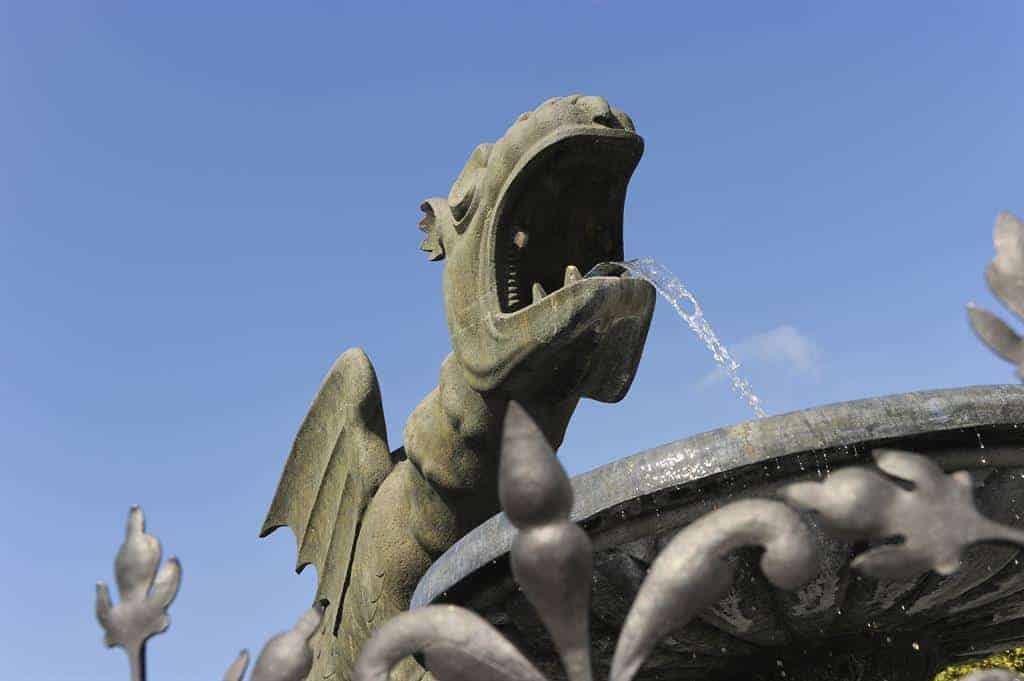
461	198
463	192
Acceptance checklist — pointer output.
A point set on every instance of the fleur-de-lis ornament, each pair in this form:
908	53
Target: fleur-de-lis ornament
147	592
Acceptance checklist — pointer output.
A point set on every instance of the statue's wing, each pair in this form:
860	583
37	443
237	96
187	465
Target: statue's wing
339	458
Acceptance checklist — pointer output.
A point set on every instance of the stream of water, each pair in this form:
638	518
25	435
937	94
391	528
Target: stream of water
678	296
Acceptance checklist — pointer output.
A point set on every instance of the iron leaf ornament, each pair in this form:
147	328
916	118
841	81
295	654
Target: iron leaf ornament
455	644
147	592
690	574
1005	277
936	519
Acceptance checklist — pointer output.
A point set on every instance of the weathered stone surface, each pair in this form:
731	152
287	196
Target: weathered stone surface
526	216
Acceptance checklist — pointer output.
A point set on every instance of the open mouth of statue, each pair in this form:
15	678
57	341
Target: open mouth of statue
562	216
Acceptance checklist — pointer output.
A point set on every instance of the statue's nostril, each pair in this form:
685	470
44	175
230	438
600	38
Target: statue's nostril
608	120
601	112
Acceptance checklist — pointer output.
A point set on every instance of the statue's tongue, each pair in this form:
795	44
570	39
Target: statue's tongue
606	269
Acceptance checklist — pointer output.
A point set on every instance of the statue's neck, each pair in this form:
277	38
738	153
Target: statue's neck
454	435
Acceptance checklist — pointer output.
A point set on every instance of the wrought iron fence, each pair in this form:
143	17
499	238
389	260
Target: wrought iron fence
904	496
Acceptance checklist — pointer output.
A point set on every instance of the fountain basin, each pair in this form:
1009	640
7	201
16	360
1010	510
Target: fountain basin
841	625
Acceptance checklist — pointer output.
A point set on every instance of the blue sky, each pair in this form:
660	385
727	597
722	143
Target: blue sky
201	206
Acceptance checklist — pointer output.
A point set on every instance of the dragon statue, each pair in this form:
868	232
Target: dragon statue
526	216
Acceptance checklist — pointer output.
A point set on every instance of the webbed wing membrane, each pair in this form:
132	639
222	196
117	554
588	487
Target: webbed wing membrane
339	458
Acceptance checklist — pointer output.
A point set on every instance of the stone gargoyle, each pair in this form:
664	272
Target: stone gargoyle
526	216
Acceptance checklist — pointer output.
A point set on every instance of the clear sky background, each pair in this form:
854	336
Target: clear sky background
203	204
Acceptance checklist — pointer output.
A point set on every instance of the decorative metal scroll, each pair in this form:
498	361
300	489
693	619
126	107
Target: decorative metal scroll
1005	277
146	593
908	498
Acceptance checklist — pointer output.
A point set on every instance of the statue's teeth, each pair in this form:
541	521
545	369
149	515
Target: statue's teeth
538	292
519	240
572	275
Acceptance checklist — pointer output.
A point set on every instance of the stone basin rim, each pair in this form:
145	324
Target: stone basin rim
690	459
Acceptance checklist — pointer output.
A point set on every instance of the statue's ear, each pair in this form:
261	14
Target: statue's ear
437	222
